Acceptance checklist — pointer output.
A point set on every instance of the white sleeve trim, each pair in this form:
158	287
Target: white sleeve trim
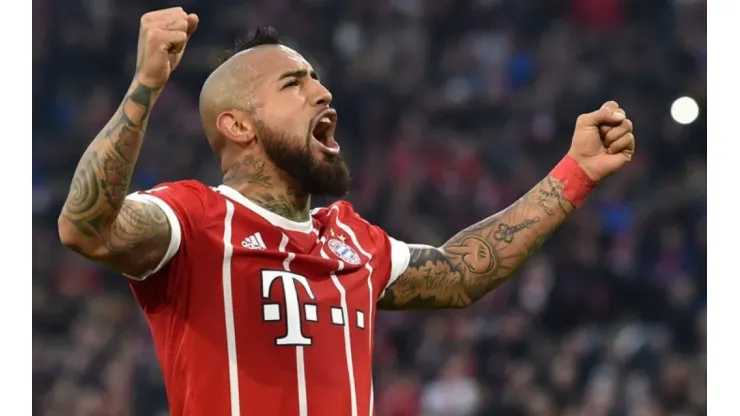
175	234
400	257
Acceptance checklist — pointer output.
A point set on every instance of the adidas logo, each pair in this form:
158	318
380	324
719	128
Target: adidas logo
254	242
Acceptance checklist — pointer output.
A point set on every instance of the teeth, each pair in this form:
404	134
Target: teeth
325	120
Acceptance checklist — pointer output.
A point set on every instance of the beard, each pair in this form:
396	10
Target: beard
294	157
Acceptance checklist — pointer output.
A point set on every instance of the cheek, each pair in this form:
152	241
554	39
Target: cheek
287	118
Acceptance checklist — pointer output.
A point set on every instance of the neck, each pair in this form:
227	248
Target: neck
264	185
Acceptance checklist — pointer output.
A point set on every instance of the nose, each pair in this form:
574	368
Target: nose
323	97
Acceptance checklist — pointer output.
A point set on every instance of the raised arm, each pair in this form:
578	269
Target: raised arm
97	220
481	257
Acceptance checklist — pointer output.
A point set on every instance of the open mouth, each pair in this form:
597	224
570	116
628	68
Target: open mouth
324	127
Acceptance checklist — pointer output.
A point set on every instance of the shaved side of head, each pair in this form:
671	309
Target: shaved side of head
231	85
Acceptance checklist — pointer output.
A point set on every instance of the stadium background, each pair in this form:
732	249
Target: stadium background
449	110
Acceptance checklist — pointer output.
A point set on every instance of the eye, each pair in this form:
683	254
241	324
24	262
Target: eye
293	83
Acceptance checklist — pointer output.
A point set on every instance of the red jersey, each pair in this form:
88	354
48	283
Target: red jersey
254	314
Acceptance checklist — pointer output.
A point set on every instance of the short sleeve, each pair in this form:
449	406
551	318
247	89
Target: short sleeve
183	204
393	253
400	257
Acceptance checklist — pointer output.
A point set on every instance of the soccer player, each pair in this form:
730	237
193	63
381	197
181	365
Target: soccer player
258	304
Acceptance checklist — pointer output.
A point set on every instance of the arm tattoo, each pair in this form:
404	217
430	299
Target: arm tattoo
481	257
95	204
139	238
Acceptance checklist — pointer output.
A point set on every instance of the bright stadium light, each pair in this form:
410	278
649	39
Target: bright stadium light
685	110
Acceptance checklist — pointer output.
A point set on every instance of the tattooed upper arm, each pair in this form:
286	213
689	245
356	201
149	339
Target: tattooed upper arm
139	238
135	243
431	281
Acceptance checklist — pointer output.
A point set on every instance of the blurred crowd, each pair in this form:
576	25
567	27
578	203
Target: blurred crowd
449	111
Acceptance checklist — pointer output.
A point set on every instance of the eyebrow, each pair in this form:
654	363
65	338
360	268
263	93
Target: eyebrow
299	73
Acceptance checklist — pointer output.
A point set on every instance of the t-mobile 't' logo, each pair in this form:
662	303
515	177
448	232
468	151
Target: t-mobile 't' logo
271	311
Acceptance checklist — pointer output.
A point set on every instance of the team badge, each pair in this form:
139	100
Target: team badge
344	252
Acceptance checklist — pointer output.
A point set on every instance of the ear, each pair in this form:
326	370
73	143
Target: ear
236	126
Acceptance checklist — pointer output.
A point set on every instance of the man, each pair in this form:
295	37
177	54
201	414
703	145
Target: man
257	304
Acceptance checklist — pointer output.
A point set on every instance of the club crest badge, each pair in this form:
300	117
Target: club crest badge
343	251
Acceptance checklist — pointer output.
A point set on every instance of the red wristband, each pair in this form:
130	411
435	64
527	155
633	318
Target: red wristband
577	185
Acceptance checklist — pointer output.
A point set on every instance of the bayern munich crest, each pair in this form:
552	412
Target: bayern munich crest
343	251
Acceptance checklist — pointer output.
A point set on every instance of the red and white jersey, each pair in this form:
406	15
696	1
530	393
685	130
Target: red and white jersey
254	314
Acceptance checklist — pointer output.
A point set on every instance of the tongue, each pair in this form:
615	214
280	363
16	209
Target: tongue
331	146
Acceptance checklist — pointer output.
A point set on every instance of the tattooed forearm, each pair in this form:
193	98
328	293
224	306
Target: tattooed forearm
481	257
101	180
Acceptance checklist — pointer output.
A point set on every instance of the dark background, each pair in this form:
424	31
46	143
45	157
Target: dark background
449	111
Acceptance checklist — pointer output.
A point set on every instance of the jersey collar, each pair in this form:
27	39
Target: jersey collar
271	217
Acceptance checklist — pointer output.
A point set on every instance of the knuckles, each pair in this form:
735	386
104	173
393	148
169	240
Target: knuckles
157	35
610	105
152	18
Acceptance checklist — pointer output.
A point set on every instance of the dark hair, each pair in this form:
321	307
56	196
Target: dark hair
265	35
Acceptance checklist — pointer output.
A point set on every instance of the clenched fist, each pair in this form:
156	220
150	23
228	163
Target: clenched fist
162	38
603	141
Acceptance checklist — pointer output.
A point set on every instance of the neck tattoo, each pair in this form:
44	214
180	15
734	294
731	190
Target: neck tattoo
249	176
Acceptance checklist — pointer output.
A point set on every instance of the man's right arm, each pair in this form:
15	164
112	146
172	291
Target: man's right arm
134	235
97	220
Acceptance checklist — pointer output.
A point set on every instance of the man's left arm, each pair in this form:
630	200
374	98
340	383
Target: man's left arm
481	257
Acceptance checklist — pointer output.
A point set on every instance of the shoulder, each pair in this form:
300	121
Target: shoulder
339	206
195	214
188	205
178	189
343	214
371	240
186	196
342	210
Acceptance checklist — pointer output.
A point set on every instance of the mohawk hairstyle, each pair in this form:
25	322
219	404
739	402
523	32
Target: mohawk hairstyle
265	35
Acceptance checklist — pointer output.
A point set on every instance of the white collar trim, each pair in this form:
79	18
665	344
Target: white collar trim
271	217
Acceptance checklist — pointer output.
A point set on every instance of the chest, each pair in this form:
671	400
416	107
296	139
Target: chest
277	281
327	266
299	288
307	267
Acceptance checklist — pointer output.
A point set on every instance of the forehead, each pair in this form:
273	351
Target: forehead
271	61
